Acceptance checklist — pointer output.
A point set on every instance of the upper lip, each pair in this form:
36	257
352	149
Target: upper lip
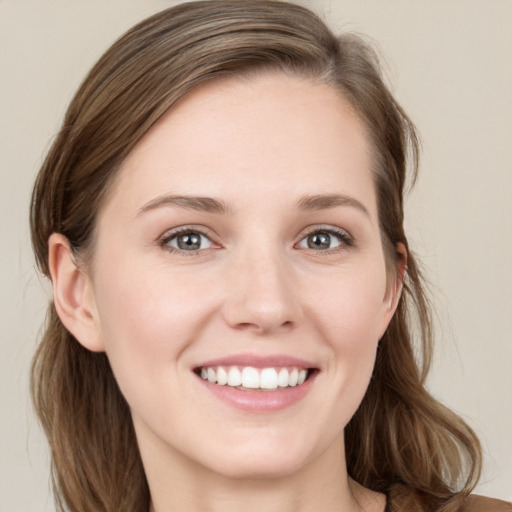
258	361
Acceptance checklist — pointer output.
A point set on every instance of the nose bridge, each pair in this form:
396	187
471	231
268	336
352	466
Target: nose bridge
261	293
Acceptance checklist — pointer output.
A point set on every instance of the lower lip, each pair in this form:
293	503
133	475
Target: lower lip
260	401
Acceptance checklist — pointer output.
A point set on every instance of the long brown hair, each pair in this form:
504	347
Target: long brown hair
400	434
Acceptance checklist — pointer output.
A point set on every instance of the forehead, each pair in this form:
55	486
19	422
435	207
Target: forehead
249	138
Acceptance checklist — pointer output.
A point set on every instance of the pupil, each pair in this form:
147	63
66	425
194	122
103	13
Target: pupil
319	241
189	242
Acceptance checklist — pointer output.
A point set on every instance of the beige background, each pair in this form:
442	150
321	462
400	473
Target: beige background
450	64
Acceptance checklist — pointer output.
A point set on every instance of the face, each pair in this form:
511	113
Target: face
238	278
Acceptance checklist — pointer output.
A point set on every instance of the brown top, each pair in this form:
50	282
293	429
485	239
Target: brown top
405	499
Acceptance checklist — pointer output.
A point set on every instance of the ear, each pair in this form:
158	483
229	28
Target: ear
73	294
395	286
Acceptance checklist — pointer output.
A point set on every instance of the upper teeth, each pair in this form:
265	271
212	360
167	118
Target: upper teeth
254	378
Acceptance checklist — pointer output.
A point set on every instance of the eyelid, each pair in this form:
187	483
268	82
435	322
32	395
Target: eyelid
168	235
347	240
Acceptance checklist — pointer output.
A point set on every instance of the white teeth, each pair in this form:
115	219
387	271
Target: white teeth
234	377
282	378
250	378
212	375
222	376
254	378
268	378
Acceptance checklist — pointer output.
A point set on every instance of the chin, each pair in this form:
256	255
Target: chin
252	460
259	468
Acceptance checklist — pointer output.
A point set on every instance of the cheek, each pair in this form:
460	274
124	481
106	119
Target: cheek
146	321
350	318
352	307
146	303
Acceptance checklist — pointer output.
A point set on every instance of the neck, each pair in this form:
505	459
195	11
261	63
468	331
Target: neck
321	485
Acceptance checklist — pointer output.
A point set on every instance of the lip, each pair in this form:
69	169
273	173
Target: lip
258	401
258	361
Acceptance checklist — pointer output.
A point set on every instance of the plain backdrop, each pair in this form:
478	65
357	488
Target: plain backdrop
449	63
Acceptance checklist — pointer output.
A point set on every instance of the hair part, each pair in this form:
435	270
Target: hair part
400	434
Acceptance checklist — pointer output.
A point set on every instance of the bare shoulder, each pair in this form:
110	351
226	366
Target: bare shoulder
474	503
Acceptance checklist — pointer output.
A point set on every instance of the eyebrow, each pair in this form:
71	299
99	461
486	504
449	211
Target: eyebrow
212	205
326	201
204	204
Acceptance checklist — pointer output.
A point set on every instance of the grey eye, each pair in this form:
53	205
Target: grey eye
190	241
320	241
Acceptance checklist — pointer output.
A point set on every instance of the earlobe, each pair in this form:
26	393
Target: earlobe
395	285
72	294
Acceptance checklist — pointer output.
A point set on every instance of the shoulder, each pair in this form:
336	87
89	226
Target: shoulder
475	503
402	498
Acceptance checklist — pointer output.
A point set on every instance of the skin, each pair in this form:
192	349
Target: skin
255	287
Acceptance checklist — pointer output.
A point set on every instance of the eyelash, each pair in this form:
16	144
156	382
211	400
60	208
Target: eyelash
346	240
169	236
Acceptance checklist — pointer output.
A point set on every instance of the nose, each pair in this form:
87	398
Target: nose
262	295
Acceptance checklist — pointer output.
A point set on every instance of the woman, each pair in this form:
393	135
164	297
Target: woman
221	217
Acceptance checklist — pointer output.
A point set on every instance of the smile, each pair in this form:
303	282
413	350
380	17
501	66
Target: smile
257	384
250	378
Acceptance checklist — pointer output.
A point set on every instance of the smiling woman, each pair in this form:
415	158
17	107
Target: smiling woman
221	217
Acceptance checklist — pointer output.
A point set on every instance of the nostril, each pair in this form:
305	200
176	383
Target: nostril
261	303
263	326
